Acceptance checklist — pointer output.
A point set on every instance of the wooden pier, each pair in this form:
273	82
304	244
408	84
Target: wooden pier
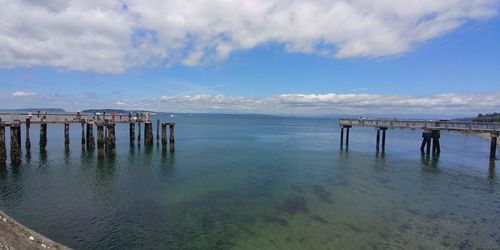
104	127
431	131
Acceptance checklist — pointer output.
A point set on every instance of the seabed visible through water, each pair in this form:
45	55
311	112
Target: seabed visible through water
258	183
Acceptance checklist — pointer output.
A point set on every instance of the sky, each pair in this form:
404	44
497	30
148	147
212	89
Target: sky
298	57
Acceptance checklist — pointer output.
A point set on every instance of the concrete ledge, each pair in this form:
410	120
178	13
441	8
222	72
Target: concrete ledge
16	236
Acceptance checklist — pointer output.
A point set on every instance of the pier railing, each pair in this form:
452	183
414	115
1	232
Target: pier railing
61	117
424	124
430	135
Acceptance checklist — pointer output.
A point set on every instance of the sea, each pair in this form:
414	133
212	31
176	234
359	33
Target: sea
257	182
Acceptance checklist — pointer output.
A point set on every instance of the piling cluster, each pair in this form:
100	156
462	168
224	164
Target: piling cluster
430	137
106	136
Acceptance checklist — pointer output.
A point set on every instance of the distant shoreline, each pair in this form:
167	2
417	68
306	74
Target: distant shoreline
485	136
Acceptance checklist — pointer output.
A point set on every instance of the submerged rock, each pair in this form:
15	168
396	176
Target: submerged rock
295	204
276	220
319	219
322	194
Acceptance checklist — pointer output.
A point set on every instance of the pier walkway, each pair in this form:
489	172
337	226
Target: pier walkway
430	135
105	130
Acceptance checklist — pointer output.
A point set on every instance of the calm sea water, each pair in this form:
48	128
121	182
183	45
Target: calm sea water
258	183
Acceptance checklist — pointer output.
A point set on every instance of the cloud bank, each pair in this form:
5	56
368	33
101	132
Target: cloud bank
284	104
112	36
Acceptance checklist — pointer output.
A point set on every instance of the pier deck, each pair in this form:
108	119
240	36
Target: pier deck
431	134
462	126
61	118
104	127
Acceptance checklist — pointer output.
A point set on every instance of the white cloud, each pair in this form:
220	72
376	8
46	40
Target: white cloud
326	104
298	104
23	94
111	36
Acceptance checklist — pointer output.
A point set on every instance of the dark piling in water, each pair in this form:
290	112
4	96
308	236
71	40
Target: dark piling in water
90	135
100	139
493	145
28	142
148	133
15	142
172	138
383	138
132	133
43	135
66	133
436	148
3	151
341	137
158	131
100	134
164	136
424	142
83	131
139	134
347	139
111	142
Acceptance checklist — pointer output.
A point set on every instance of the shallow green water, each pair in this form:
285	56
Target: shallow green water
258	183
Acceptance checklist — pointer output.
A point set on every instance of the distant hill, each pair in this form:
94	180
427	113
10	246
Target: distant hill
494	117
34	110
119	111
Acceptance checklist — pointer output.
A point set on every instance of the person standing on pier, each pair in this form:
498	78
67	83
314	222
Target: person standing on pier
113	114
93	115
129	116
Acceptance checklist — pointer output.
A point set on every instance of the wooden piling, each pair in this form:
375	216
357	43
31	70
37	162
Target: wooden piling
66	133
164	136
341	137
83	131
132	133
139	134
172	138
383	138
436	149
43	135
428	145
28	142
100	134
148	133
111	142
424	142
90	134
493	145
378	139
15	142
3	151
157	130
100	139
347	139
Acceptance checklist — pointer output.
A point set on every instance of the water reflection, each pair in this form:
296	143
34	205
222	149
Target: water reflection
67	155
28	156
429	162
43	156
106	167
491	170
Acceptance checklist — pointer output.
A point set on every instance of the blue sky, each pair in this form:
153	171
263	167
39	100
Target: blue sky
455	70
